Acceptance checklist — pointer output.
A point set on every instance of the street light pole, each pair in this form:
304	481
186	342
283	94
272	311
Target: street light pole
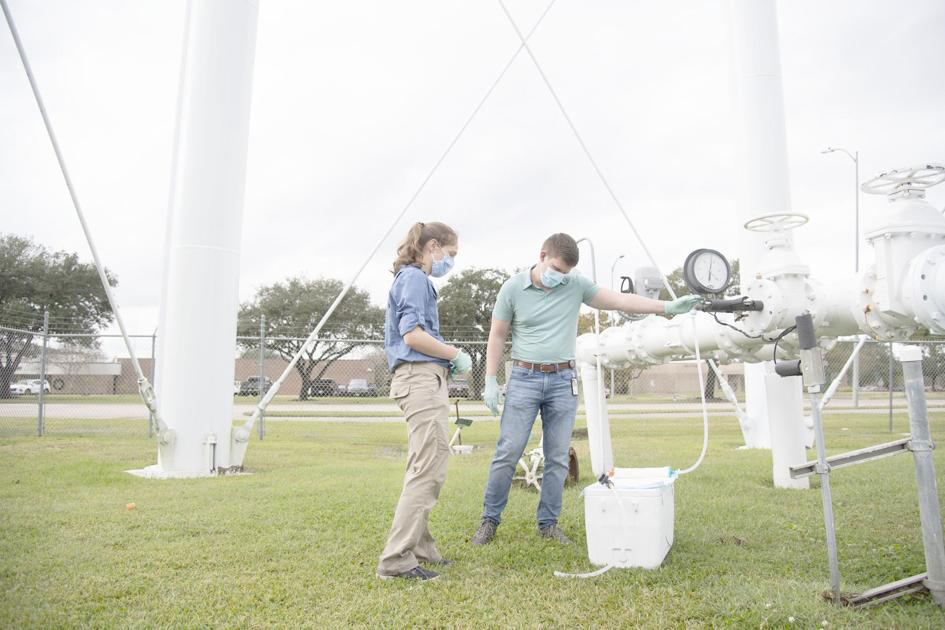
856	184
855	156
612	267
613	317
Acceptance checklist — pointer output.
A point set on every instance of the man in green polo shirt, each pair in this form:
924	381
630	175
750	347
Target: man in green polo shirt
540	307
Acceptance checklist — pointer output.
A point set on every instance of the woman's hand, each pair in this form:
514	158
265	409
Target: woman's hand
461	363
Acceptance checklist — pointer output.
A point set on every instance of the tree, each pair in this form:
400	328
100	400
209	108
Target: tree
465	307
933	366
293	308
586	321
380	372
33	280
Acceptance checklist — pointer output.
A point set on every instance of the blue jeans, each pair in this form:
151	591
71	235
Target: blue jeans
528	393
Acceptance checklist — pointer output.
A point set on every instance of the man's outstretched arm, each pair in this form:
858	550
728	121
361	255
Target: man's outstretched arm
607	300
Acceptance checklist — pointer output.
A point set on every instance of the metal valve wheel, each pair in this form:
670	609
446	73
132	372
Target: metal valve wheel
777	222
905	181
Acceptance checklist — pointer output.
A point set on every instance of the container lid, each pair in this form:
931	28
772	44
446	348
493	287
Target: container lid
642	483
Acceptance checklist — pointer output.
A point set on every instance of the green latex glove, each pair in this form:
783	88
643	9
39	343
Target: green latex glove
461	363
491	395
681	305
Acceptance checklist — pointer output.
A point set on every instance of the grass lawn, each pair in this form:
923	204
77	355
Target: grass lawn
295	543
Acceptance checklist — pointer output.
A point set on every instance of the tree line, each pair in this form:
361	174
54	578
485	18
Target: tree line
34	279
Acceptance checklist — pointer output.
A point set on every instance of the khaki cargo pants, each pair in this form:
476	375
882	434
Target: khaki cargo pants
420	390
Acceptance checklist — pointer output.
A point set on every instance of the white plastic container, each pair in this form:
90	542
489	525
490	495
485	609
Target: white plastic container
638	536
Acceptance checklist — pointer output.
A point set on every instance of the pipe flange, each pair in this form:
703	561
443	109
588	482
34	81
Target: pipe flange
768	292
924	288
871	320
637	343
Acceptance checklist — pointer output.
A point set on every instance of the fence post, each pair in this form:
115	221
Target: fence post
262	368
153	361
41	419
889	379
856	379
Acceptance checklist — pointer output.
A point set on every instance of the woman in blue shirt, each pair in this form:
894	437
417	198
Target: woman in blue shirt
421	363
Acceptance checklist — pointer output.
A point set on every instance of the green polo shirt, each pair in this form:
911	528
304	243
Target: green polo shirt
543	322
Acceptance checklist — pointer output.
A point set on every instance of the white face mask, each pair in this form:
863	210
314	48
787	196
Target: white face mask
550	278
441	267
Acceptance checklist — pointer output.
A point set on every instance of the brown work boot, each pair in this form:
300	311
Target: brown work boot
485	533
553	533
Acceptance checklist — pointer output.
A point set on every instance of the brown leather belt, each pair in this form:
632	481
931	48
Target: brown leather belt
544	367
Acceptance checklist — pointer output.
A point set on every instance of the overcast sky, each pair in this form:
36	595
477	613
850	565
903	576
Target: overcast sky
354	101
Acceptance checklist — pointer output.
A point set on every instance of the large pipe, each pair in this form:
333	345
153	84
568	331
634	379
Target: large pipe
204	225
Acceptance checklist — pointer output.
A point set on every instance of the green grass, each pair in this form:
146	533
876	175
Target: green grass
296	543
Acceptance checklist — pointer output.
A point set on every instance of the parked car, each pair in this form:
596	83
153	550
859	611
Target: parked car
324	387
458	388
18	389
250	387
29	387
236	388
360	387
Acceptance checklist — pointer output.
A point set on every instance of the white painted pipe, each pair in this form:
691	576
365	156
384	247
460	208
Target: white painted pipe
843	372
200	293
598	424
729	393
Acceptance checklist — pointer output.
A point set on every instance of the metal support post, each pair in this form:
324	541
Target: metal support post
41	418
889	380
812	369
153	361
823	470
262	369
921	445
613	392
856	380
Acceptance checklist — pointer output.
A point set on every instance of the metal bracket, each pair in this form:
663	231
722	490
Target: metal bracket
918	446
853	457
886	592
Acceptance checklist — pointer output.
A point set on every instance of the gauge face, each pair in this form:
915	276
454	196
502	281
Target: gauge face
707	271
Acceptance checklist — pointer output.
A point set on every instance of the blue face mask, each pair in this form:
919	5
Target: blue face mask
550	278
441	267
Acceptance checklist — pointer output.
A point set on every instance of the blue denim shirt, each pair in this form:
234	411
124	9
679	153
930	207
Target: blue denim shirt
410	303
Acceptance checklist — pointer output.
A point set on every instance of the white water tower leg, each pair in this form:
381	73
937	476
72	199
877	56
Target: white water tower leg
200	293
773	406
787	431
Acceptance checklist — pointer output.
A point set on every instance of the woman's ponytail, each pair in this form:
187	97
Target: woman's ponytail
411	249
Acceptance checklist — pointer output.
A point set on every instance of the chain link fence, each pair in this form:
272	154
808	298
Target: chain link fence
85	385
71	383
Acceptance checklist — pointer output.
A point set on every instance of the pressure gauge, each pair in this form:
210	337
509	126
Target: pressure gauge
707	271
